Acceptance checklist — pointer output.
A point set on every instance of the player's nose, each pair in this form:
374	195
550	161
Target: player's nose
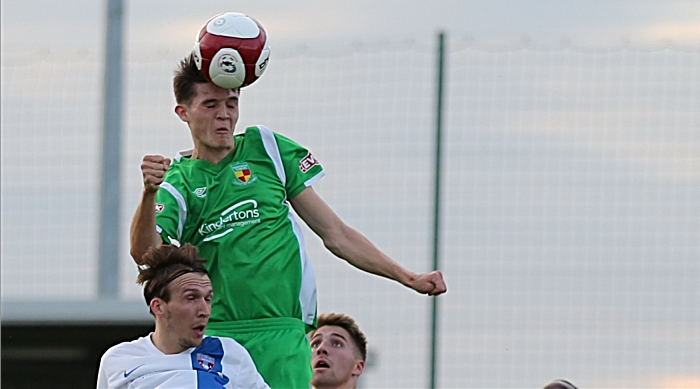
204	308
222	112
321	349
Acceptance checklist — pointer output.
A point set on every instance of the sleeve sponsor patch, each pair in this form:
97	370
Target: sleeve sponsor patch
307	163
159	208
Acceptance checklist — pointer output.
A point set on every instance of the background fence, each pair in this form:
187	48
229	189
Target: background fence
571	197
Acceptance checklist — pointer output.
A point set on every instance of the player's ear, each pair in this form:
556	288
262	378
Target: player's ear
359	367
157	306
181	111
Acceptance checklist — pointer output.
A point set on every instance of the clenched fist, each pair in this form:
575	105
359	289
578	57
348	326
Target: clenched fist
153	169
431	283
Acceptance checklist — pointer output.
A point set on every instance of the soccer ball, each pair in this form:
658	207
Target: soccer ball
231	50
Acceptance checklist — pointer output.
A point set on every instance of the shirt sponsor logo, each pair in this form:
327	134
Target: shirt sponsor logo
243	174
205	361
239	215
307	163
200	192
159	208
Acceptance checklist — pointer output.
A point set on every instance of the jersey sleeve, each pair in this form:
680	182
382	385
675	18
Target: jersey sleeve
102	379
301	168
110	367
171	212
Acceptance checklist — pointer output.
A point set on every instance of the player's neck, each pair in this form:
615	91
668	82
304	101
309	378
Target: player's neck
164	344
351	384
210	154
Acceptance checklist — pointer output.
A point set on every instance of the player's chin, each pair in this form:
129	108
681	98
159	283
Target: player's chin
190	342
321	379
195	339
222	143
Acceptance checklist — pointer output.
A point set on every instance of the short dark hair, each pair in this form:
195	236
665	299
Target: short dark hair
187	76
162	265
349	325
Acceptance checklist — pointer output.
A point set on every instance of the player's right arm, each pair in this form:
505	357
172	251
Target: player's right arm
143	232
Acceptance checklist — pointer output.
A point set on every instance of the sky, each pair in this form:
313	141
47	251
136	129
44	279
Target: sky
570	194
166	24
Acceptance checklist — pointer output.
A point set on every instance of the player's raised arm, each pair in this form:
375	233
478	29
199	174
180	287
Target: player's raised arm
348	244
143	226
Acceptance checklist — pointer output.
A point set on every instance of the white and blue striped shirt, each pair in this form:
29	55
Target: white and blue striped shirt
218	362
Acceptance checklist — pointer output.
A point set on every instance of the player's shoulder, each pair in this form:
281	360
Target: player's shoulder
261	131
225	341
251	130
181	158
138	347
177	162
230	347
180	169
274	144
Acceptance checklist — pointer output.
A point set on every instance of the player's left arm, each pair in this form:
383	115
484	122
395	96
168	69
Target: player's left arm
350	245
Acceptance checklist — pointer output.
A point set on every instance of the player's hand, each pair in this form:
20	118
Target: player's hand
153	168
431	283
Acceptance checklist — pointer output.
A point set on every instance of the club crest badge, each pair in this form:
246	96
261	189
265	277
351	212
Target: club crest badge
243	174
205	361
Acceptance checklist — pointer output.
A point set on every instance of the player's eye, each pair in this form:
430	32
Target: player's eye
337	344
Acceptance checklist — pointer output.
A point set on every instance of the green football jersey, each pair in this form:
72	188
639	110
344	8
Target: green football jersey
237	213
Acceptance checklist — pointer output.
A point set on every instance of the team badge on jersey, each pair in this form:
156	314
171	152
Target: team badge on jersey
243	174
307	163
159	208
205	361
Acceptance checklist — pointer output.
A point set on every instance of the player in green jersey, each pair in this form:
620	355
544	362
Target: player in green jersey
231	196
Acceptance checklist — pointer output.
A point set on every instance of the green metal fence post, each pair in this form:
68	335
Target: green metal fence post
436	209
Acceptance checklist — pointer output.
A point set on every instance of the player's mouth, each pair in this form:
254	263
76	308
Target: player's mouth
222	130
199	329
321	365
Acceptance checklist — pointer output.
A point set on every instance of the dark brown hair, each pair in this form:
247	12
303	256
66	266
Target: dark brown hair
349	325
187	76
162	265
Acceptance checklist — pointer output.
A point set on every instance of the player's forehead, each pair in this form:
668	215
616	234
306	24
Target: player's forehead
207	91
330	332
191	282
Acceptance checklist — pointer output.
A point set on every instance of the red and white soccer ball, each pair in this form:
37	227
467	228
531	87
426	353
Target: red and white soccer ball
231	50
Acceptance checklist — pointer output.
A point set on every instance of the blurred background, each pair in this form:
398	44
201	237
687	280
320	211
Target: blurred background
569	197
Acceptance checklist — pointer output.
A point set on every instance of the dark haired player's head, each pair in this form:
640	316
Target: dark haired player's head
162	265
187	76
560	384
179	293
